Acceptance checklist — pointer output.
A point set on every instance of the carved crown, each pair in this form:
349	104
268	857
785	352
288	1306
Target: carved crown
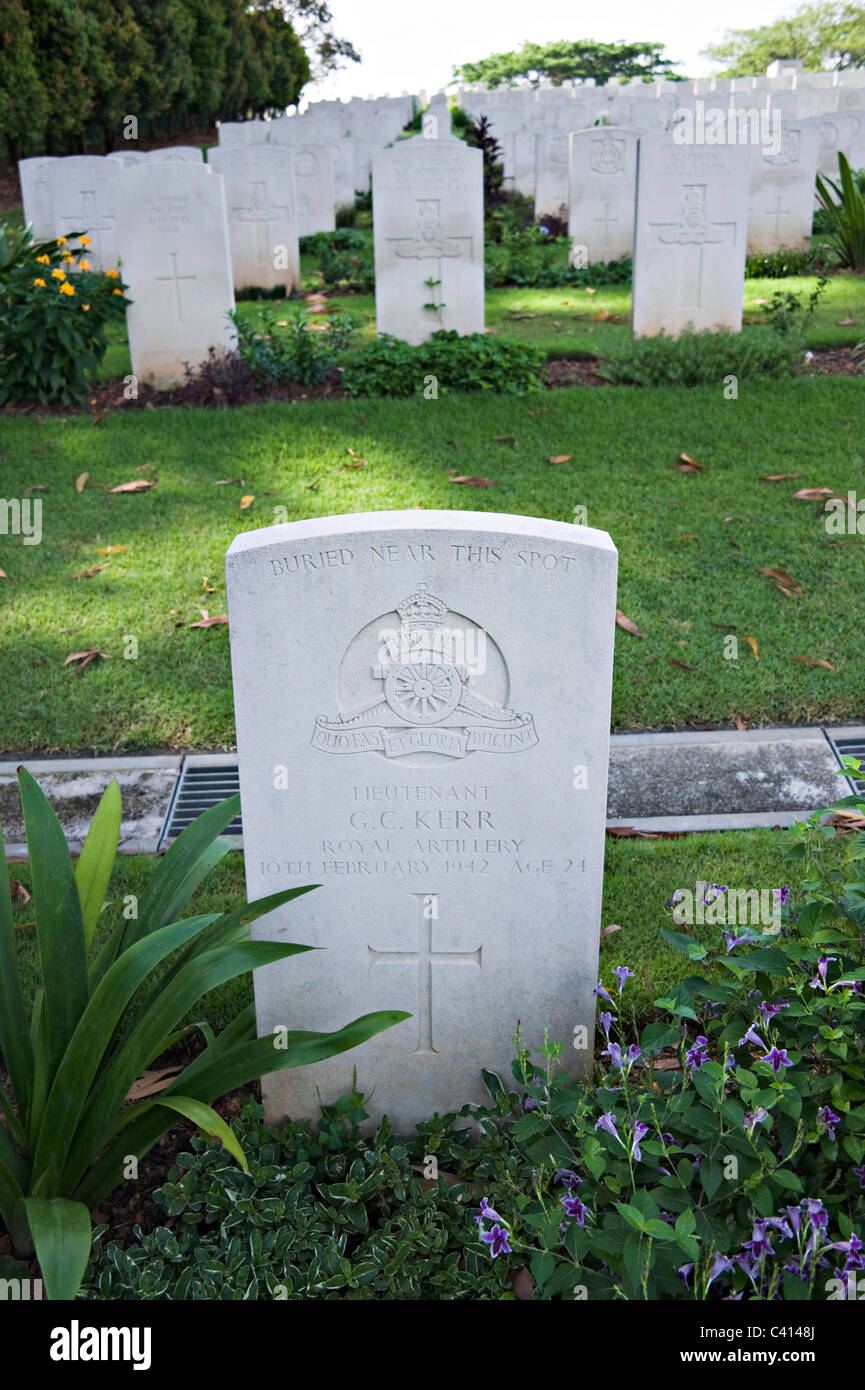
422	609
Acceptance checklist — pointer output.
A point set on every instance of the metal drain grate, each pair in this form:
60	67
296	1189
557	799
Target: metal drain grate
854	748
202	784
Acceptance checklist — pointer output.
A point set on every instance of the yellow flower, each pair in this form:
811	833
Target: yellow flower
85	306
84	265
40	282
84	240
67	257
66	289
120	292
113	274
59	274
62	241
43	260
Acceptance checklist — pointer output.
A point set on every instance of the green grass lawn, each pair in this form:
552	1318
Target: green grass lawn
689	544
639	877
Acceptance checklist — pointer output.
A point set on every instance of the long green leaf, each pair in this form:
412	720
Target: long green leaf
207	1120
9	1156
59	927
62	1235
197	978
39	1043
14	1124
243	1064
96	860
90	1042
14	1033
192	855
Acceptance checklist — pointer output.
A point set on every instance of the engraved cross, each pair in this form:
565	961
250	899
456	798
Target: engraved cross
425	958
176	279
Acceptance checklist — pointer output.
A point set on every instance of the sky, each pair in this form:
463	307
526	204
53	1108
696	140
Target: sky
413	45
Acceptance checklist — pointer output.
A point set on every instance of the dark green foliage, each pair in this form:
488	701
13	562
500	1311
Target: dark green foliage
694	359
479	135
777	265
475	362
823	223
568	58
53	324
525	258
295	353
843	206
344	258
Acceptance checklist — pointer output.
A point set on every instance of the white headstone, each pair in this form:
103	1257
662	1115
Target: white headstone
551	175
262	214
690	235
781	205
440	769
428	225
36	197
83	193
171	154
313	182
173	238
844	131
603	175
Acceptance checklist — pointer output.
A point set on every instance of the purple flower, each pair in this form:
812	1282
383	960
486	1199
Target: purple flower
768	1011
795	1216
698	1054
819	980
855	985
599	990
634	1054
778	1057
860	1174
640	1132
751	1036
720	1265
487	1213
712	891
731	1063
759	1243
684	1273
669	1138
497	1239
608	1122
827	1119
622	974
853	1249
605	1020
573	1207
732	940
614	1052
753	1118
566	1175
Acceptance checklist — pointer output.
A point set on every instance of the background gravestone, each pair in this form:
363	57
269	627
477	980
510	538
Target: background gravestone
781	206
603	179
173	239
428	231
36	197
83	194
690	235
551	176
262	214
422	704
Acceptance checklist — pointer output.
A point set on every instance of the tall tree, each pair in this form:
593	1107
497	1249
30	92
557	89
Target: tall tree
313	24
823	36
567	59
68	53
23	100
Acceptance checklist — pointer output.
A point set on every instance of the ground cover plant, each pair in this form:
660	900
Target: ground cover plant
692	543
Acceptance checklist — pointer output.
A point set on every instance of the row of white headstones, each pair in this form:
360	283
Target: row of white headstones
686	203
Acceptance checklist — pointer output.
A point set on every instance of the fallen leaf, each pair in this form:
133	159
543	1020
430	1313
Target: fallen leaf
602	315
110	549
358	461
474	482
559	458
88	574
150	1083
781	579
608	931
752	643
247	501
522	1284
225	482
674	661
724	627
845	821
85	658
814	661
627	625
666	1064
68	631
813	494
627	832
505	439
81	482
206	584
778	477
37	487
3	574
590	290
688	465
18	891
741	725
207	621
137	485
846	323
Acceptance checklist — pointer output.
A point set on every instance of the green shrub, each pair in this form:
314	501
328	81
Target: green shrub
694	359
66	1131
843	206
294	353
526	258
777	265
822	222
54	313
261	292
475	362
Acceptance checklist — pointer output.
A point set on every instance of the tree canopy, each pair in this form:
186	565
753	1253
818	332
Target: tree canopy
823	36
567	59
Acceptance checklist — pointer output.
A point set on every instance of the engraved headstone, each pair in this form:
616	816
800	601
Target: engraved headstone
603	178
428	231
551	175
36	197
169	154
690	235
781	205
262	214
313	183
422	703
83	193
173	238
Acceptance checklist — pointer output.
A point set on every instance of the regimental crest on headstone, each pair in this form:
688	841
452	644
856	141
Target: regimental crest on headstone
788	152
425	704
608	156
